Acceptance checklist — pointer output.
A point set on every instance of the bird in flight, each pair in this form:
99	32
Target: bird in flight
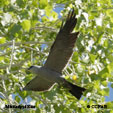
59	55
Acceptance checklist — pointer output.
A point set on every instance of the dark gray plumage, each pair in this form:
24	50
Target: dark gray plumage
59	55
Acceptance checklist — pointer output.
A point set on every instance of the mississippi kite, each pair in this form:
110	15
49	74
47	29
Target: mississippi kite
60	53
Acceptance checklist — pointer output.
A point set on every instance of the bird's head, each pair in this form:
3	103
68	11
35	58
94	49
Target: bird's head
33	69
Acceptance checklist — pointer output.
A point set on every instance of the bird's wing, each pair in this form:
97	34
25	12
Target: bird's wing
38	84
62	47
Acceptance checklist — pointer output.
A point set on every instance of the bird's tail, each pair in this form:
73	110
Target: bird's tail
76	90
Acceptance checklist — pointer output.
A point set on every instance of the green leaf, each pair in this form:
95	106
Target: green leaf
20	3
110	14
111	111
83	110
43	4
1	58
105	43
104	71
2	40
104	92
82	102
110	57
26	25
109	105
112	85
48	10
104	83
56	108
55	15
34	2
110	68
44	18
92	57
17	99
79	20
15	29
97	84
38	110
75	57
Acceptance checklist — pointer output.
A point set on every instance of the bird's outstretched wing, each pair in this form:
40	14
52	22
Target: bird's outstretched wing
62	47
38	84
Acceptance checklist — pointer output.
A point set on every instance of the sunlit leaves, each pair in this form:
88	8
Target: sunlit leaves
110	14
37	20
104	72
20	3
43	3
48	10
110	68
104	83
15	29
17	98
1	58
26	25
110	105
2	40
76	57
92	57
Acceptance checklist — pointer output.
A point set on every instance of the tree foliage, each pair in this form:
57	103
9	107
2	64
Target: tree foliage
27	30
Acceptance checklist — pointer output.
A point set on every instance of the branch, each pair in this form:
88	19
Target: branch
30	48
12	54
109	8
19	43
5	53
15	65
21	47
44	27
3	77
20	63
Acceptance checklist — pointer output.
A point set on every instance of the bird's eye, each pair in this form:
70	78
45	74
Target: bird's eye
30	67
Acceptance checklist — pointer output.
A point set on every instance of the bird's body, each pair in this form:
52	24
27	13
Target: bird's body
41	81
47	76
59	55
